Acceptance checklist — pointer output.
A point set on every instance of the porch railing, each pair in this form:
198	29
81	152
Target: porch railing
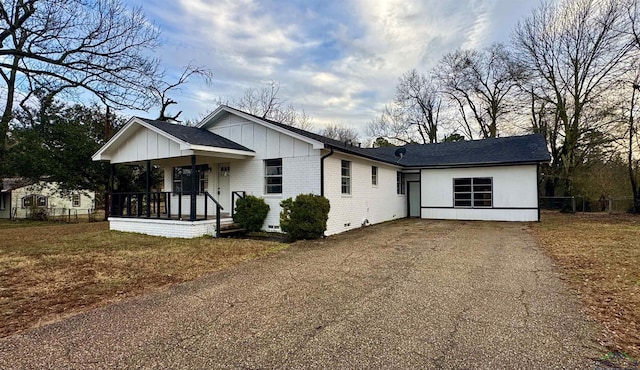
239	195
159	205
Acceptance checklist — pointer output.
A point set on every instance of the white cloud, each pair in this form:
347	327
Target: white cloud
340	60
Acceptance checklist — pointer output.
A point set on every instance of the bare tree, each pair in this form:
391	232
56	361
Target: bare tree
100	46
478	83
340	132
161	90
420	103
391	125
414	115
266	103
575	53
633	163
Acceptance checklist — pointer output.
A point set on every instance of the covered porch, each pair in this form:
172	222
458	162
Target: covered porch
194	197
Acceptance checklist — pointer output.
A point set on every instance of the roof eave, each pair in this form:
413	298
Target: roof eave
483	164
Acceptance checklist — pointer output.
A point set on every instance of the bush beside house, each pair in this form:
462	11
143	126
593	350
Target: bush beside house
251	212
305	217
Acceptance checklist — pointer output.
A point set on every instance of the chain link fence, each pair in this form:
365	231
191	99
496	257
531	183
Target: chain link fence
579	203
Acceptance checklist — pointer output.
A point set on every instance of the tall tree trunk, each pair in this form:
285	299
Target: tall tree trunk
632	174
7	116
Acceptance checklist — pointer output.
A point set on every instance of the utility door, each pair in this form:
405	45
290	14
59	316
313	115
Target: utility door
414	198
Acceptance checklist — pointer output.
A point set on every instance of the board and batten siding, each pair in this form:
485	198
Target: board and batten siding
144	144
374	203
515	193
300	163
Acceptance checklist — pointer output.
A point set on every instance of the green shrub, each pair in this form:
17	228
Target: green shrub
305	217
251	212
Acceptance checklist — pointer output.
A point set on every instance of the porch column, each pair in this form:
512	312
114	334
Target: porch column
148	208
194	188
109	198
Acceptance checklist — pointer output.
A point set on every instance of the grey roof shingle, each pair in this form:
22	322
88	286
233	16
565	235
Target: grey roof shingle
505	150
196	136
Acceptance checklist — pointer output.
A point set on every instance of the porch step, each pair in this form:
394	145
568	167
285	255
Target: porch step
231	228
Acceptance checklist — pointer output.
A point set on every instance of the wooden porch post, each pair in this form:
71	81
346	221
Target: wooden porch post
148	208
194	187
108	206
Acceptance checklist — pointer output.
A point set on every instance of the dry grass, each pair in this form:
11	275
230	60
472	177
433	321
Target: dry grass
600	254
49	271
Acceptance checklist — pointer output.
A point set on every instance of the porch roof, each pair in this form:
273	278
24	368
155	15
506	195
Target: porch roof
144	139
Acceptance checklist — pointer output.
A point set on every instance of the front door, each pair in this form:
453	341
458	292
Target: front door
224	191
414	198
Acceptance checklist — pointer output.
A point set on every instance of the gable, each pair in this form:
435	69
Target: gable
141	139
139	143
266	141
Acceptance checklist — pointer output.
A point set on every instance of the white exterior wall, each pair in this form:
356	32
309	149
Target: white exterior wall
145	144
166	228
375	203
54	200
300	163
515	193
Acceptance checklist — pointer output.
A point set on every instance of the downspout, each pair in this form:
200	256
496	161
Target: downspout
539	179
322	171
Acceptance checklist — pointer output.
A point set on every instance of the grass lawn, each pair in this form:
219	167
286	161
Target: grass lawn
49	271
600	255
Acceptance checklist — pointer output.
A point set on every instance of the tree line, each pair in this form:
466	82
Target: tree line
570	72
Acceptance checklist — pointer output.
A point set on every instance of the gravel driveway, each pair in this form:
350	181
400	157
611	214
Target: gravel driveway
406	294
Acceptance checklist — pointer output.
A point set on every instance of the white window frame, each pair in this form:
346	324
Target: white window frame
476	193
35	201
401	183
75	200
374	175
203	180
273	171
345	177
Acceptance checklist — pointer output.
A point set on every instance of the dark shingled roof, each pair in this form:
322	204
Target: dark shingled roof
196	136
11	183
505	150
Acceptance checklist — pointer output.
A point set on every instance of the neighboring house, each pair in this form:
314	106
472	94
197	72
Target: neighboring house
230	153
20	197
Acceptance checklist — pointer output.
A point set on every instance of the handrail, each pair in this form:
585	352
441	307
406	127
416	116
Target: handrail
240	195
218	209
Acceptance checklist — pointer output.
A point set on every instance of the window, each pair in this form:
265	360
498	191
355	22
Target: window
346	177
33	200
3	201
75	200
473	192
400	183
374	175
182	179
273	176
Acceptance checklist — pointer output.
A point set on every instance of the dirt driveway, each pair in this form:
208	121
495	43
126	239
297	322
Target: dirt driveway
407	294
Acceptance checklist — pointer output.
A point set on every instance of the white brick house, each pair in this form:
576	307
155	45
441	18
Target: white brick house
231	152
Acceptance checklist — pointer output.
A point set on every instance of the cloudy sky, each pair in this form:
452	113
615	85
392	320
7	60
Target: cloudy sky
339	60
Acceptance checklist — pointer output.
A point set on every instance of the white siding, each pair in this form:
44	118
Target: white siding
57	203
300	163
515	193
144	144
374	203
